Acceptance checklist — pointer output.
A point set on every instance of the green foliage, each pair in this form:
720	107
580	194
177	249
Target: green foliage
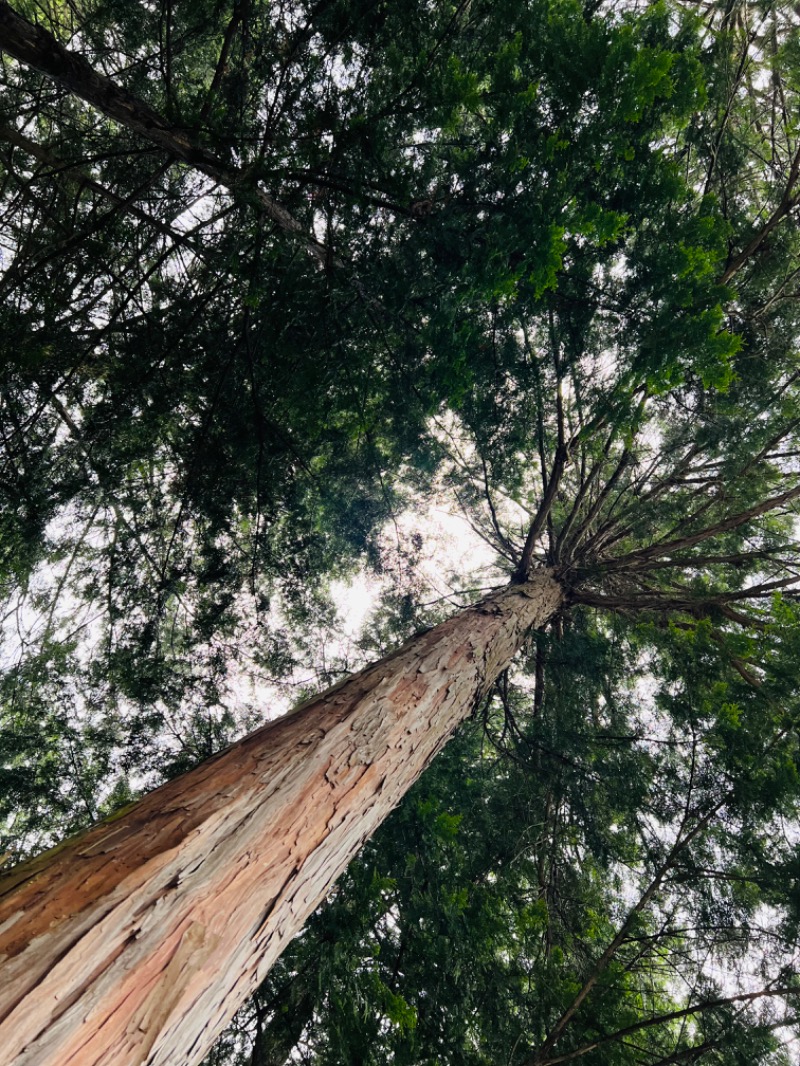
540	257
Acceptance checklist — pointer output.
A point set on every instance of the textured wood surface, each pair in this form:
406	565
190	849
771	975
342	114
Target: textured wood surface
136	942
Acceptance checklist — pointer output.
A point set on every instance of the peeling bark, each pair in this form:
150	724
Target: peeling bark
136	942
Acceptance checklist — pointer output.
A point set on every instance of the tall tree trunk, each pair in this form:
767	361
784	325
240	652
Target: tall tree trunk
136	942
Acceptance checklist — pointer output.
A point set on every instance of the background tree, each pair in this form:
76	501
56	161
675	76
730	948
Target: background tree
545	250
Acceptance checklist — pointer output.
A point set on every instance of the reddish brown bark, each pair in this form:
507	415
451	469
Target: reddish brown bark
136	942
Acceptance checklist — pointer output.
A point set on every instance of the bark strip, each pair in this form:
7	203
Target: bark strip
136	942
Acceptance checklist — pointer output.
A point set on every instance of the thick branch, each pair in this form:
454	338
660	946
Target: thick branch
537	525
606	491
788	202
37	48
658	550
688	601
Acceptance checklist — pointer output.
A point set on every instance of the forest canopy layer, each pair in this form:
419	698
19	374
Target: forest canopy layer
278	281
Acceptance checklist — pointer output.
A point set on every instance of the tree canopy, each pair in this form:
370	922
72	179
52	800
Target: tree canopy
277	277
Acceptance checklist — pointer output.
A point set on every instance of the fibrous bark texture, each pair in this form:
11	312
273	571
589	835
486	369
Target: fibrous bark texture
136	942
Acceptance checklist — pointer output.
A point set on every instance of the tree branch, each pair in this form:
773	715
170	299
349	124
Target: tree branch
734	521
649	1023
37	48
599	967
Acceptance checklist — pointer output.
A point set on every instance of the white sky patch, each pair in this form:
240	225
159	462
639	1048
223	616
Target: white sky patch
432	548
354	600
